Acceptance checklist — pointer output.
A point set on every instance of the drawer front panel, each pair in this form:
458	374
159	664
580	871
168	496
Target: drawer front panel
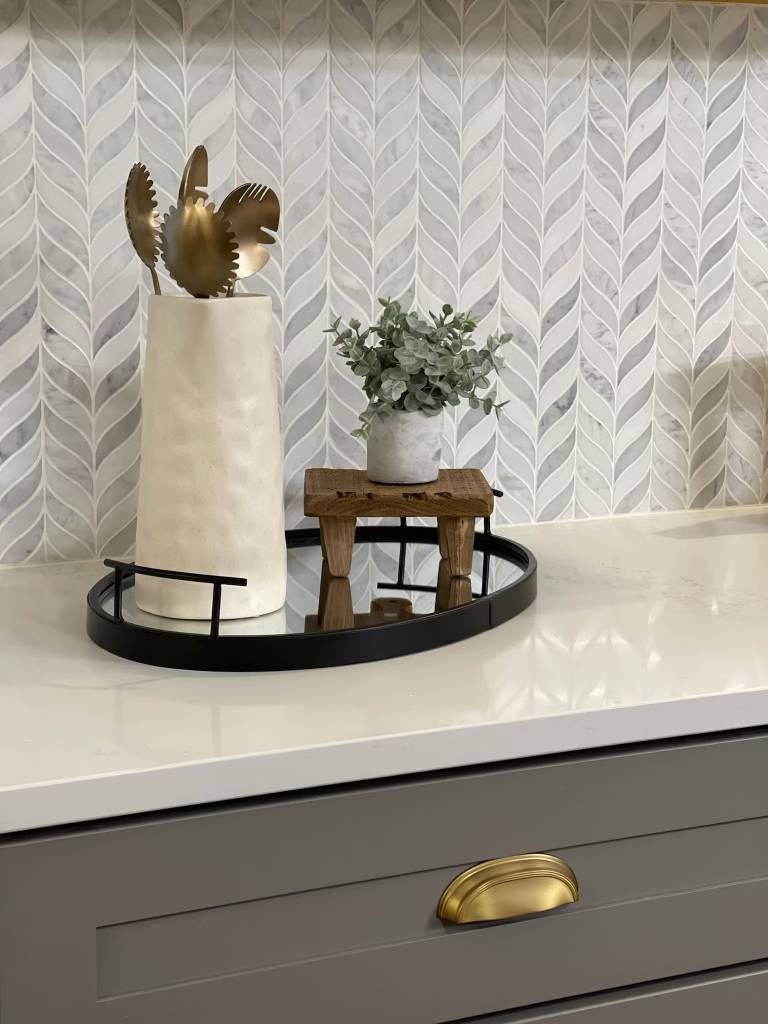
478	970
322	907
738	994
341	921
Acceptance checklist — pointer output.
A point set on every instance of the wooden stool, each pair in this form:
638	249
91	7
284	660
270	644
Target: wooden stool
338	496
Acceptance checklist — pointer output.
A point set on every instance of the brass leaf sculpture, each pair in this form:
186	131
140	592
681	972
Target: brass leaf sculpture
205	250
199	248
194	180
250	210
141	218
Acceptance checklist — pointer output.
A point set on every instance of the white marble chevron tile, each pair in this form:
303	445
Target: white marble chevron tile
684	149
22	488
591	175
721	203
522	226
351	209
259	130
745	478
439	250
481	203
64	282
116	304
305	230
625	171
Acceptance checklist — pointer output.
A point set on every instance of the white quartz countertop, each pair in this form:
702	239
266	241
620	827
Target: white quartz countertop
645	627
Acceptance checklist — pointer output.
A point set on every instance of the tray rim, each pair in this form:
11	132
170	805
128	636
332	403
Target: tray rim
232	652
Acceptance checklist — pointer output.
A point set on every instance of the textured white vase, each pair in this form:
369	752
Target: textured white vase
404	448
211	477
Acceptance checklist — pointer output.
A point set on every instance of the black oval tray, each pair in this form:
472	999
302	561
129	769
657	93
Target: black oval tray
315	648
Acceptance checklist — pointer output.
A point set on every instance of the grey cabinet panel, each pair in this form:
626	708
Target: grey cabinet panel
321	907
472	971
738	994
286	930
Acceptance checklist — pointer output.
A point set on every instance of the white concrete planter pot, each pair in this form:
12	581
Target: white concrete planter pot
405	448
211	478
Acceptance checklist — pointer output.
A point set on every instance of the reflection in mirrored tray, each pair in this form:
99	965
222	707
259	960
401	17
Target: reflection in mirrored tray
387	584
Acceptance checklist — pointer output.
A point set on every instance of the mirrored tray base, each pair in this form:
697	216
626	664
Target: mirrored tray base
398	599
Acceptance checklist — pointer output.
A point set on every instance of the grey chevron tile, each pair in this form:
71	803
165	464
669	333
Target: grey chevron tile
441	60
259	132
480	204
305	233
591	175
523	163
352	188
21	453
748	392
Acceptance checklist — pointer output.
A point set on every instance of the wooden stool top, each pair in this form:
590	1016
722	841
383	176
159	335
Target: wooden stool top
349	492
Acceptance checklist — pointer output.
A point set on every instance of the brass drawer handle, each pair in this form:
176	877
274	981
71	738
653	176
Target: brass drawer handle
508	887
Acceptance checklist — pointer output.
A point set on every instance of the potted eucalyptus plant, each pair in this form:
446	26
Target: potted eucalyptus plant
412	367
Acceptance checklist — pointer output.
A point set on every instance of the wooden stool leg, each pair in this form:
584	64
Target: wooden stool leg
457	539
334	610
451	591
337	538
441	541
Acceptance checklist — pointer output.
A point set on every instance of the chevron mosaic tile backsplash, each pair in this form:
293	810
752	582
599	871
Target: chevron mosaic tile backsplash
591	175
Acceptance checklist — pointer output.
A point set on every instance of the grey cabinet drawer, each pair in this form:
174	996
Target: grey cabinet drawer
322	907
738	994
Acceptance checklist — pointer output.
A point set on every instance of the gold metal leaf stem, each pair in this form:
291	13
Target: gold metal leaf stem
141	218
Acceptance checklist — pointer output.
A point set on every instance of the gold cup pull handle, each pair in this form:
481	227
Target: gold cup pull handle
497	890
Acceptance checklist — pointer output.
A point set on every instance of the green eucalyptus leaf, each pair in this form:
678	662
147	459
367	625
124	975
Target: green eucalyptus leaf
418	364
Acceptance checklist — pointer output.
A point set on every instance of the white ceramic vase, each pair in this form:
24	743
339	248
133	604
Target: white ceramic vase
405	448
211	477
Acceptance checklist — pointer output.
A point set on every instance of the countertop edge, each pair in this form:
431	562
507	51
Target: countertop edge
83	800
